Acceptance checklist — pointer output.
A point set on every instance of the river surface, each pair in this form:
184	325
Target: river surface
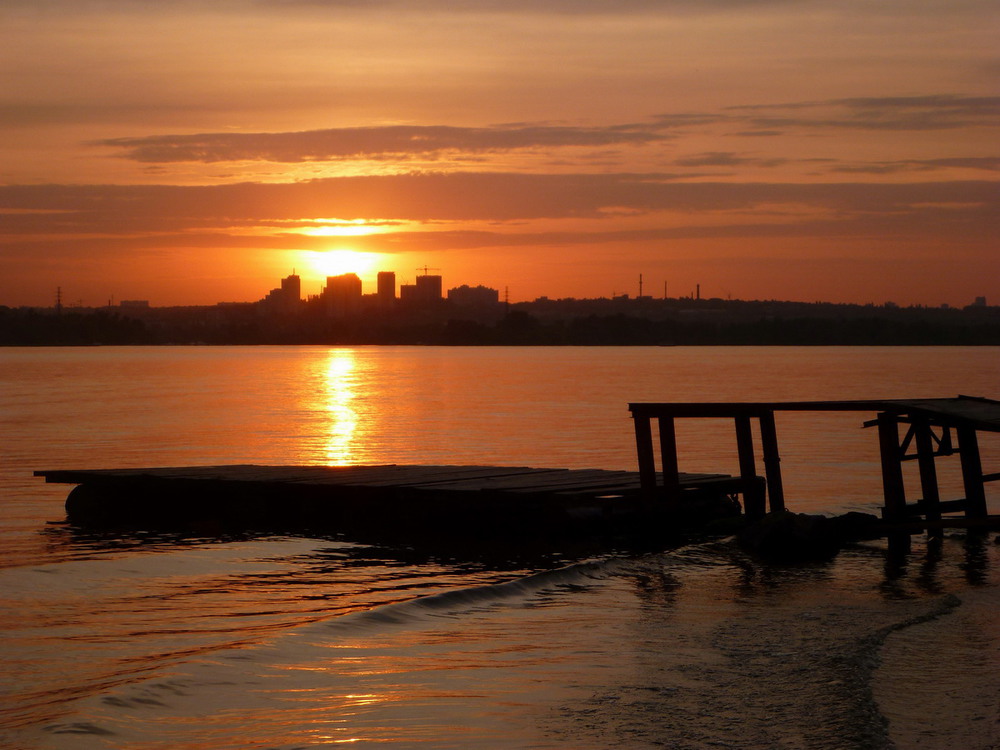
147	640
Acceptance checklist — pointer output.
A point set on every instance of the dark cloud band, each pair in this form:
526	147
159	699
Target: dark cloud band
369	143
487	197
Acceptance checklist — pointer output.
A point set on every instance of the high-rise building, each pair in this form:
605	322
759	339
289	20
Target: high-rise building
386	288
429	288
291	289
342	294
407	293
286	298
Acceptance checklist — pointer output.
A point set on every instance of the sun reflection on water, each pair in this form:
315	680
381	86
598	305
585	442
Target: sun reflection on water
340	385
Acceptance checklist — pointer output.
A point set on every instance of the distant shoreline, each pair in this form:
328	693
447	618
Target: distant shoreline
602	322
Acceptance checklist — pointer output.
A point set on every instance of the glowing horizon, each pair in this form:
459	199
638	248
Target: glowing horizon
763	150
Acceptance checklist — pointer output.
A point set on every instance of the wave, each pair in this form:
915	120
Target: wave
457	602
690	648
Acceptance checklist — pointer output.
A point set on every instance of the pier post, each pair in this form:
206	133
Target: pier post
644	452
753	496
772	462
972	472
893	489
931	497
668	457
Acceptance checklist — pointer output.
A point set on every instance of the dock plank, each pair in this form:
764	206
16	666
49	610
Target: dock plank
554	484
428	476
446	478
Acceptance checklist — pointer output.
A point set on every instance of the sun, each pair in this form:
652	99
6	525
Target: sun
337	262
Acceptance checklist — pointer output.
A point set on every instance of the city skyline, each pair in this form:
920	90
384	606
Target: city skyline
386	287
188	153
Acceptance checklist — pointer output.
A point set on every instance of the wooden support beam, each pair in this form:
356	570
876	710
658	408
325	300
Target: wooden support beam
928	473
772	462
945	445
944	506
644	451
972	472
668	459
907	439
753	497
893	489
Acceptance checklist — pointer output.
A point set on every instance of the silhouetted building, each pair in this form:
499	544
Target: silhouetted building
407	293
291	287
386	288
477	296
342	295
427	291
429	288
287	297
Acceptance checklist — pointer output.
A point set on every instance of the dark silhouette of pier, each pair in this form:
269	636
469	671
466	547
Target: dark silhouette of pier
930	426
506	502
403	502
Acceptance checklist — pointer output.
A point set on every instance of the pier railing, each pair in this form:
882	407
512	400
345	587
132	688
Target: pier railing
929	422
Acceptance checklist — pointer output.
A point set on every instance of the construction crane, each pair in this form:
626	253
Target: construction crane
425	269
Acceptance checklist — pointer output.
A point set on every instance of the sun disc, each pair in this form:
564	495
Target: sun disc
337	262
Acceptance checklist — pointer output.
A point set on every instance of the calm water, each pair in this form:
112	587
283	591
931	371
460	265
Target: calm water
145	640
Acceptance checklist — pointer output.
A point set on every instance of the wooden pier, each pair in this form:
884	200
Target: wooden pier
387	500
930	425
416	501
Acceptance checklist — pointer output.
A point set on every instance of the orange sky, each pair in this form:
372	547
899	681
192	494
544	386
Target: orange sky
188	153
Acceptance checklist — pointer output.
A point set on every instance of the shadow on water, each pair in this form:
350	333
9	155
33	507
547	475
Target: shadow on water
527	548
515	553
926	570
722	650
741	652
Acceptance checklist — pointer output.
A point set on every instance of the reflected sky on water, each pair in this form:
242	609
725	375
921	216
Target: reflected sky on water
200	641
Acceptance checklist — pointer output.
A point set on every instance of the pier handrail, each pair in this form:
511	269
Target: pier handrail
980	413
965	414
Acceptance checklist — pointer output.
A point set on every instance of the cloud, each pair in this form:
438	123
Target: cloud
986	163
386	142
533	7
411	142
726	159
934	112
970	208
575	7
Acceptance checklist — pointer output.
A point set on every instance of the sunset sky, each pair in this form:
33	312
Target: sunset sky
195	152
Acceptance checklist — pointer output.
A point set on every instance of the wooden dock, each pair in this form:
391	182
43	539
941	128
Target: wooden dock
475	501
385	499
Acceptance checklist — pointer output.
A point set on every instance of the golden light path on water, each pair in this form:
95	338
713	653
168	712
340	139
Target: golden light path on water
339	384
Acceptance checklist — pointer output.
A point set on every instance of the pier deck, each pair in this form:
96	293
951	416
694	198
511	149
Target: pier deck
377	497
